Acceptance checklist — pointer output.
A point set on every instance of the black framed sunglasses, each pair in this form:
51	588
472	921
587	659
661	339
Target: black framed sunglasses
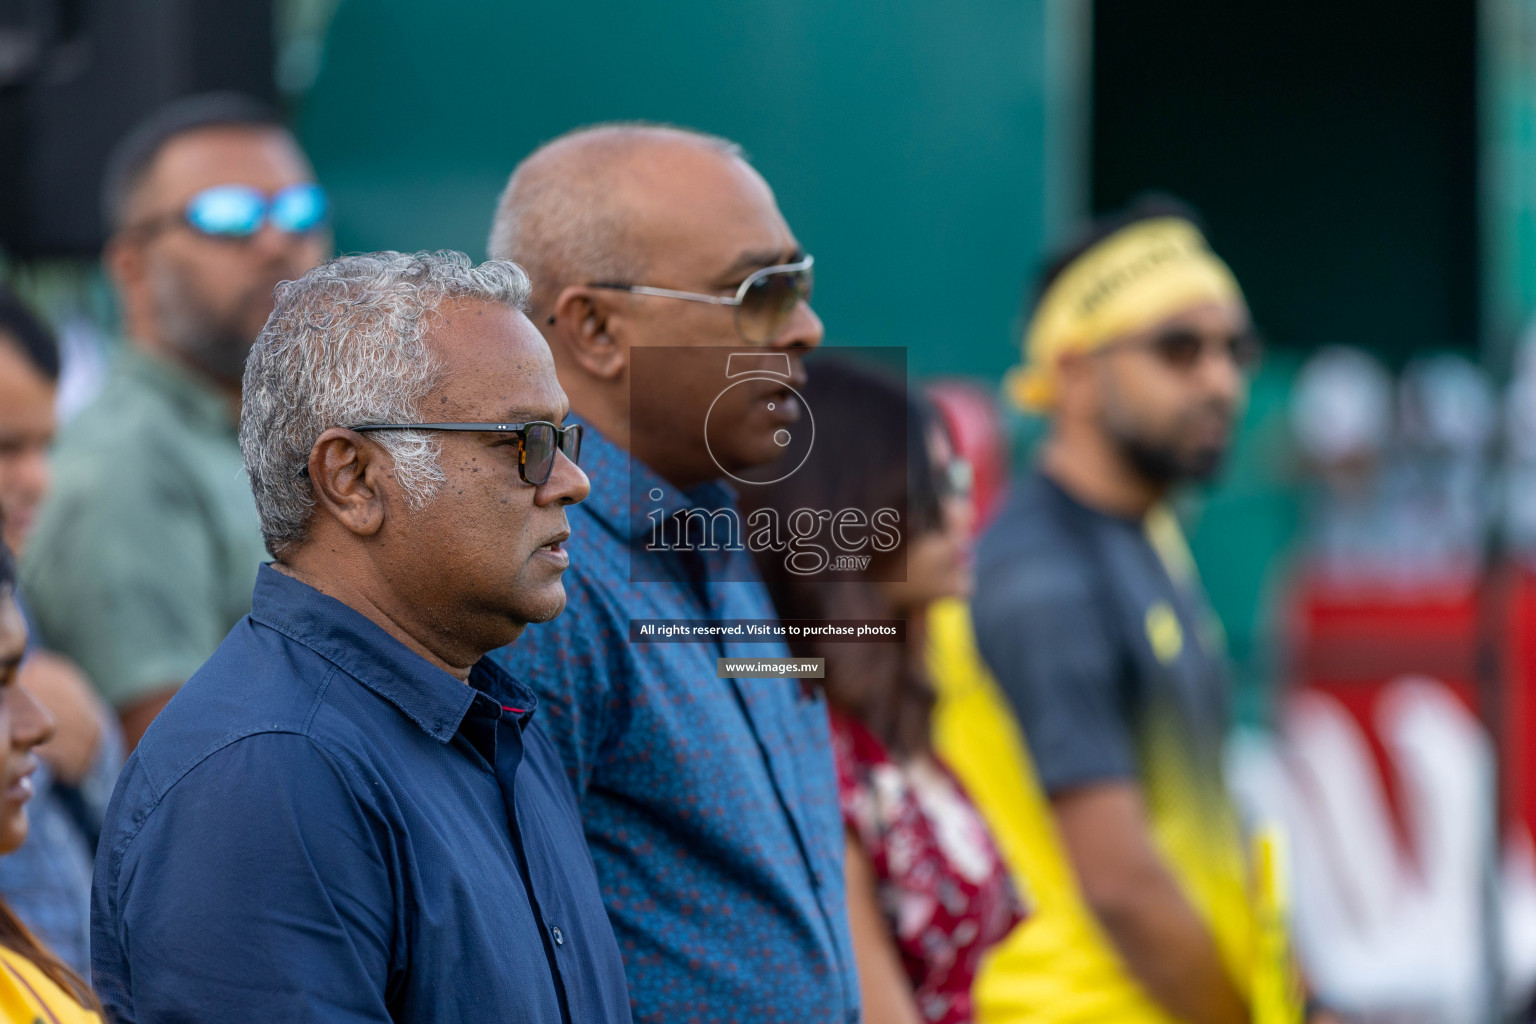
1183	349
764	302
540	441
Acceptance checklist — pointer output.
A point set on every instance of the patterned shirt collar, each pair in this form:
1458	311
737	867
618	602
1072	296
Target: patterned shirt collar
625	490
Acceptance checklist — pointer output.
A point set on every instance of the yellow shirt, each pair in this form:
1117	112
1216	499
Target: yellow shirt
1058	966
27	996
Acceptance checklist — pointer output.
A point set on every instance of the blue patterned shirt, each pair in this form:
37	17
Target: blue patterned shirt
710	804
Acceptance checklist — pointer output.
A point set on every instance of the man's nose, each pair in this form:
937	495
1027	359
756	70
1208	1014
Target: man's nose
567	484
804	329
271	243
1219	374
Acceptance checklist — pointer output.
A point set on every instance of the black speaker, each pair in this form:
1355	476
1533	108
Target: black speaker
77	75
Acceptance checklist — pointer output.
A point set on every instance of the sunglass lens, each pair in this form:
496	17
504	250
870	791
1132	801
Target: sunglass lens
1247	350
538	452
230	211
1180	349
769	302
300	209
570	443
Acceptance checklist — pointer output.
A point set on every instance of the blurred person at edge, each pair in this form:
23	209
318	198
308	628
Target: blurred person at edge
348	813
35	985
1090	616
47	882
146	551
710	804
928	894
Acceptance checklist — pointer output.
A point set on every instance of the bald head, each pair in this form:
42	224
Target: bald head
660	208
580	208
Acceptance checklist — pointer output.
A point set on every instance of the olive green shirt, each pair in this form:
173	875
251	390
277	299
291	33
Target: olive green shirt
146	550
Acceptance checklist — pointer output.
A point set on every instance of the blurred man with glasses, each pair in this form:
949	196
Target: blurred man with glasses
147	549
710	804
1089	614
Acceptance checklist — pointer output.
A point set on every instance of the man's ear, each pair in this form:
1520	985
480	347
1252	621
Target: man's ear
347	474
586	321
123	259
1077	380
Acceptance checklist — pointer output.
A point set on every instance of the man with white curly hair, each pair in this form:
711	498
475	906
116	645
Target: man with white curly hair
347	814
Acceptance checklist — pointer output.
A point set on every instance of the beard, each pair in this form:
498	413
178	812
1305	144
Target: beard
1165	462
215	341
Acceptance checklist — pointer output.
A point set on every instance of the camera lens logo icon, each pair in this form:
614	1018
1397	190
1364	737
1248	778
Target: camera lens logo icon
793	439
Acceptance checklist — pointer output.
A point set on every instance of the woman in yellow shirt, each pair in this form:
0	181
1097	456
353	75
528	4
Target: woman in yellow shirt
35	988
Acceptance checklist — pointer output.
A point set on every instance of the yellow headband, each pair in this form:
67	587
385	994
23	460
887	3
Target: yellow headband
1139	275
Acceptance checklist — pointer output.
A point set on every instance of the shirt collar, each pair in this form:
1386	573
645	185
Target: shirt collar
200	403
1044	479
622	488
436	701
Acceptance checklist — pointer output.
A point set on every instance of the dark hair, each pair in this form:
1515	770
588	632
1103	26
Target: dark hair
862	411
1149	206
7	566
132	157
23	327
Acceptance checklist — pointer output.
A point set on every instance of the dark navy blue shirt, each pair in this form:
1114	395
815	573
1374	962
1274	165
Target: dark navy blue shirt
710	804
322	826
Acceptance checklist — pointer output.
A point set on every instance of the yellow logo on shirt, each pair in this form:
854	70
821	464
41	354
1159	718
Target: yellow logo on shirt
1164	632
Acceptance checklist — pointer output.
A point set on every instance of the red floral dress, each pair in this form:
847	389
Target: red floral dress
940	881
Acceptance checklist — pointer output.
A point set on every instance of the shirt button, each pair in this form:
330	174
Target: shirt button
556	934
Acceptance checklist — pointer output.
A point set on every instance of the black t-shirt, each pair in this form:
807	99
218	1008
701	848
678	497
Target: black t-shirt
1108	656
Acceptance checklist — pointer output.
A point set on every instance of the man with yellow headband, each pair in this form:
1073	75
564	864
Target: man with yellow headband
1104	784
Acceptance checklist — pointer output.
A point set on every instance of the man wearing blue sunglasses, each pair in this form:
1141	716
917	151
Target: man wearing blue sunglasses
147	551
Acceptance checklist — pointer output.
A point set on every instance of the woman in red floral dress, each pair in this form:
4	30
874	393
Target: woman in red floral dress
928	894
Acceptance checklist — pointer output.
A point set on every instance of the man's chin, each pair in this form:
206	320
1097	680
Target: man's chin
547	606
1204	466
221	357
752	456
1166	465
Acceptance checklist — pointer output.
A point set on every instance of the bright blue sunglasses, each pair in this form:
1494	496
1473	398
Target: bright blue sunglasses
239	211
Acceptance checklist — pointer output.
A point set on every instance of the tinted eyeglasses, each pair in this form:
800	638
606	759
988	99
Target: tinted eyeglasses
764	302
239	211
1183	349
539	440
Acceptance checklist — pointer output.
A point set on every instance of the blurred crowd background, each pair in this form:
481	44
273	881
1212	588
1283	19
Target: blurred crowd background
1368	171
